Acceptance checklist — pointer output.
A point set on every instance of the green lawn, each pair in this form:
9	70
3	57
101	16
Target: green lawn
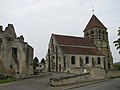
7	80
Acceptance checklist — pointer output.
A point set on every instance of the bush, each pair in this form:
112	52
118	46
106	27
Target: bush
117	67
2	76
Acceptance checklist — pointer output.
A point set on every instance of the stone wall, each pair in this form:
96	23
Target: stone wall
112	73
70	79
92	73
16	56
97	73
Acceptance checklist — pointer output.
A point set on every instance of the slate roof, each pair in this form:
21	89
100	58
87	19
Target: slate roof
72	40
77	45
94	22
81	50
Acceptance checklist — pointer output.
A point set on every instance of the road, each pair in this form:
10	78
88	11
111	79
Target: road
113	84
32	84
43	84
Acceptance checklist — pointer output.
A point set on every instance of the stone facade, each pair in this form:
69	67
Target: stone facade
98	33
75	54
59	61
16	56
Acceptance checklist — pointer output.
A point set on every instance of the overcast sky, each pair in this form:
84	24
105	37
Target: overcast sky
36	20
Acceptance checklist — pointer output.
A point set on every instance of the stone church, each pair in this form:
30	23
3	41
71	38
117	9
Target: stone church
16	56
74	54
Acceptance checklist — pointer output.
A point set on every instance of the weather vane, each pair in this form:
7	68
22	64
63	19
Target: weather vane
93	10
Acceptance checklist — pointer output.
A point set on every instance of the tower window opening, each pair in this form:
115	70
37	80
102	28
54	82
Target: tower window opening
73	60
86	60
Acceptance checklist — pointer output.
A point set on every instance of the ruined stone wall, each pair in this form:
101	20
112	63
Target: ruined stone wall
29	59
14	53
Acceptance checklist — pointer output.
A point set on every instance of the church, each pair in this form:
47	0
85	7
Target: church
74	54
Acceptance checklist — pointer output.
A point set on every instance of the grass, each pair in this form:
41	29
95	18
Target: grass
7	80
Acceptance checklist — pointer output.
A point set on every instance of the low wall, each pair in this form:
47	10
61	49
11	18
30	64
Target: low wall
93	73
112	73
97	73
70	79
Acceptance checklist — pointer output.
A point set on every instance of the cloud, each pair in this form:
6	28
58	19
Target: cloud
37	19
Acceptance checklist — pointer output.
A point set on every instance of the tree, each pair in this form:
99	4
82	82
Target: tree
43	61
117	66
117	42
35	63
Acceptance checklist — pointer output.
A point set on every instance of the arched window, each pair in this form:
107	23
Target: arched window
81	62
73	60
86	60
99	62
93	63
99	35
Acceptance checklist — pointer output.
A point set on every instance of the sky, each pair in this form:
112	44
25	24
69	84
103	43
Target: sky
36	20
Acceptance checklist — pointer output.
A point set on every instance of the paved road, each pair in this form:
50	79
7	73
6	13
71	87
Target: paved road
32	84
113	84
43	84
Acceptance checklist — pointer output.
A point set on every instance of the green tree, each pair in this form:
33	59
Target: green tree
117	42
117	66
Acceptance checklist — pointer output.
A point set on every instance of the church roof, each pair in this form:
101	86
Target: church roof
94	22
72	40
81	50
76	45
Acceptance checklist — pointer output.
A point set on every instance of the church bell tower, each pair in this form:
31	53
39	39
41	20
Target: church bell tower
97	32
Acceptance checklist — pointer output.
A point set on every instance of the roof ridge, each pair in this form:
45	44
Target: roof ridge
68	36
94	22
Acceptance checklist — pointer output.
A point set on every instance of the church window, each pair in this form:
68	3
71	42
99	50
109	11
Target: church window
99	62
86	60
93	63
99	35
92	36
81	62
64	62
109	65
73	60
10	66
103	37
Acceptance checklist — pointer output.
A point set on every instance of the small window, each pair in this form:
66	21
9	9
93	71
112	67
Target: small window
64	62
73	60
14	51
99	62
93	63
86	60
10	66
